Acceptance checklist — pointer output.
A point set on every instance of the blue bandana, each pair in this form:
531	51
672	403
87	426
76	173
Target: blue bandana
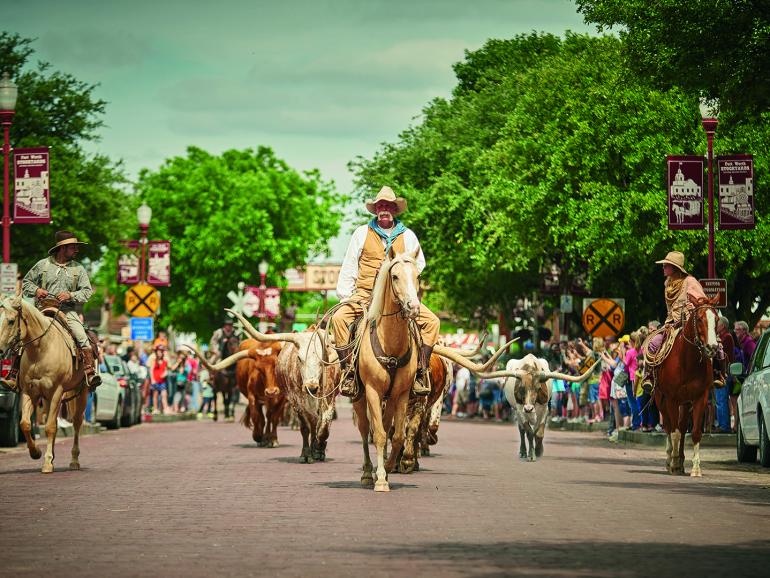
397	230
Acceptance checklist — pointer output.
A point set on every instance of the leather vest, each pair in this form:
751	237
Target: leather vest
372	256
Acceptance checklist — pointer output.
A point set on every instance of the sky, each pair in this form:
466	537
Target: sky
319	81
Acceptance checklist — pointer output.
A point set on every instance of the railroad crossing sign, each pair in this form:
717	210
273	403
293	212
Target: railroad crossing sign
603	317
142	300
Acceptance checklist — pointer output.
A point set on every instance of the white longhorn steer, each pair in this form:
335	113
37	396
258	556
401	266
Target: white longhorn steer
528	389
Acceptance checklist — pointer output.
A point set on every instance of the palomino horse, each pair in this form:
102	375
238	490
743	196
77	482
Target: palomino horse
47	371
394	306
684	379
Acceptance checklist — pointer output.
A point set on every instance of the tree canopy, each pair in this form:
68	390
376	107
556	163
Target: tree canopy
223	215
553	151
715	47
55	109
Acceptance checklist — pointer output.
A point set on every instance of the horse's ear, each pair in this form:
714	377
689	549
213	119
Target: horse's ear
415	253
391	254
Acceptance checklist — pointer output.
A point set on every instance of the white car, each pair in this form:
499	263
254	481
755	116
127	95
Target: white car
108	400
754	405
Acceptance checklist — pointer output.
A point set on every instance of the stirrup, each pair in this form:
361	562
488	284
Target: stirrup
647	386
349	387
93	382
10	384
419	388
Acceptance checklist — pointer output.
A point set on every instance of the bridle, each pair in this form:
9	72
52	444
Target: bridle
397	299
17	344
696	341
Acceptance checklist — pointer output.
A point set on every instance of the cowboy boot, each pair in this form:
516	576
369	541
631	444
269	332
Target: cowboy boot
93	379
648	380
719	374
421	386
348	385
10	381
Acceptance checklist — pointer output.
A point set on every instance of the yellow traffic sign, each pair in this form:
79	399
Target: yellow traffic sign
142	300
603	318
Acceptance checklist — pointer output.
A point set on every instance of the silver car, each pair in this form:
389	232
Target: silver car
754	405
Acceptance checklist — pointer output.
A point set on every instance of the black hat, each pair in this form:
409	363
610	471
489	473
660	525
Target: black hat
62	238
228	321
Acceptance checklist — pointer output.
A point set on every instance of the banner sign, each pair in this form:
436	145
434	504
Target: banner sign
128	263
736	191
9	273
685	192
272	301
159	263
715	287
141	329
32	196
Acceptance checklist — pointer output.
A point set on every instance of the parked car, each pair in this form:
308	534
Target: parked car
131	384
108	399
754	405
10	415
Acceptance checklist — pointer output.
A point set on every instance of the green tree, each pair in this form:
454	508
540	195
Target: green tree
223	215
715	47
55	109
557	159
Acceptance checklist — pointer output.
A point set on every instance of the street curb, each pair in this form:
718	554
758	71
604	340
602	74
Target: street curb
149	418
582	426
659	439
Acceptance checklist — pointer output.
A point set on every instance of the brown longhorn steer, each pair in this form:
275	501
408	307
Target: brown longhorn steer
255	377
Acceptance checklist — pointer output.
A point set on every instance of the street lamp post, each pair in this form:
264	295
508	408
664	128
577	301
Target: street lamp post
262	290
8	93
143	215
709	121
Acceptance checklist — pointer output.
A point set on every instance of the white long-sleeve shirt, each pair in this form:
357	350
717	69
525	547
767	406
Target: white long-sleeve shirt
346	282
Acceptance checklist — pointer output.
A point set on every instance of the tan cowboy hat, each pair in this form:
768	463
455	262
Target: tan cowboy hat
387	194
64	238
676	259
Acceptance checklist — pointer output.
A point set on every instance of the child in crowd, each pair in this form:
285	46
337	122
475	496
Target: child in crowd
208	394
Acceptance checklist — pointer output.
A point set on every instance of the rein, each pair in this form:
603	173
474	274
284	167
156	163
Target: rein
18	344
696	342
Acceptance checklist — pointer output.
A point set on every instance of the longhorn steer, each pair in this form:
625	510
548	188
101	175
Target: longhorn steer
528	389
256	378
308	377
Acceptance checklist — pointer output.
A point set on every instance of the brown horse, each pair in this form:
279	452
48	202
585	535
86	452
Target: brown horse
683	381
224	382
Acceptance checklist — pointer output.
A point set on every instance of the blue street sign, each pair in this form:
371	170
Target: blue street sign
141	329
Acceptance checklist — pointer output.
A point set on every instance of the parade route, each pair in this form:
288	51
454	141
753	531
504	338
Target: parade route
201	499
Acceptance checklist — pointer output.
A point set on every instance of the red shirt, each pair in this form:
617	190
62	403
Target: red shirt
159	370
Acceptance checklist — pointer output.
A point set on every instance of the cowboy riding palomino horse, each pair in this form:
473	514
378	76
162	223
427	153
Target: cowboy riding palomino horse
50	369
388	345
683	379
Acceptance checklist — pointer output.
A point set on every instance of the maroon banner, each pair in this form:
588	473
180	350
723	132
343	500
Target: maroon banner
159	263
685	192
32	195
736	191
128	264
272	301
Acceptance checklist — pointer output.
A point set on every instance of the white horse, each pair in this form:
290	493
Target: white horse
47	371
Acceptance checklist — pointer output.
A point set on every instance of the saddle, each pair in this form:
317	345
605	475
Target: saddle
655	358
51	307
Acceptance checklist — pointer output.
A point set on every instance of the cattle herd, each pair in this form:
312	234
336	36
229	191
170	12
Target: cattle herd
301	370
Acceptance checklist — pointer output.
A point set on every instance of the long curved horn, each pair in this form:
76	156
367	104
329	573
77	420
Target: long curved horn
272	337
573	378
224	364
503	373
453	355
476	351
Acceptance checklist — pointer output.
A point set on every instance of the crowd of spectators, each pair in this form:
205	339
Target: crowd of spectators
613	392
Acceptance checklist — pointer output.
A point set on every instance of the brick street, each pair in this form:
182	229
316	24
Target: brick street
200	499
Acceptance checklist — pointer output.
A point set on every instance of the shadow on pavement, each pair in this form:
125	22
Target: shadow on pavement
356	485
747	494
576	558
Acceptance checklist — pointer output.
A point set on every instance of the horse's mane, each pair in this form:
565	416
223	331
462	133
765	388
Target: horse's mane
377	304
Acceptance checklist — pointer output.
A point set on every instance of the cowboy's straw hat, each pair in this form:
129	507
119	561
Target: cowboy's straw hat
676	259
387	194
63	238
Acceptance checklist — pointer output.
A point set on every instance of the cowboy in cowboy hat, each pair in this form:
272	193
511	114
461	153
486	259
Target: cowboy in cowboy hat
61	281
218	345
681	291
366	252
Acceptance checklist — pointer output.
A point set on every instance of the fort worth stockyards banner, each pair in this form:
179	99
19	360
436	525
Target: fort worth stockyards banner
685	192
32	196
736	191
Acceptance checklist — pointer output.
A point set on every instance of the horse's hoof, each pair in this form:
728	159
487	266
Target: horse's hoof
416	465
532	458
74	466
425	452
406	467
522	455
696	473
274	444
47	469
381	486
35	454
367	481
303	459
